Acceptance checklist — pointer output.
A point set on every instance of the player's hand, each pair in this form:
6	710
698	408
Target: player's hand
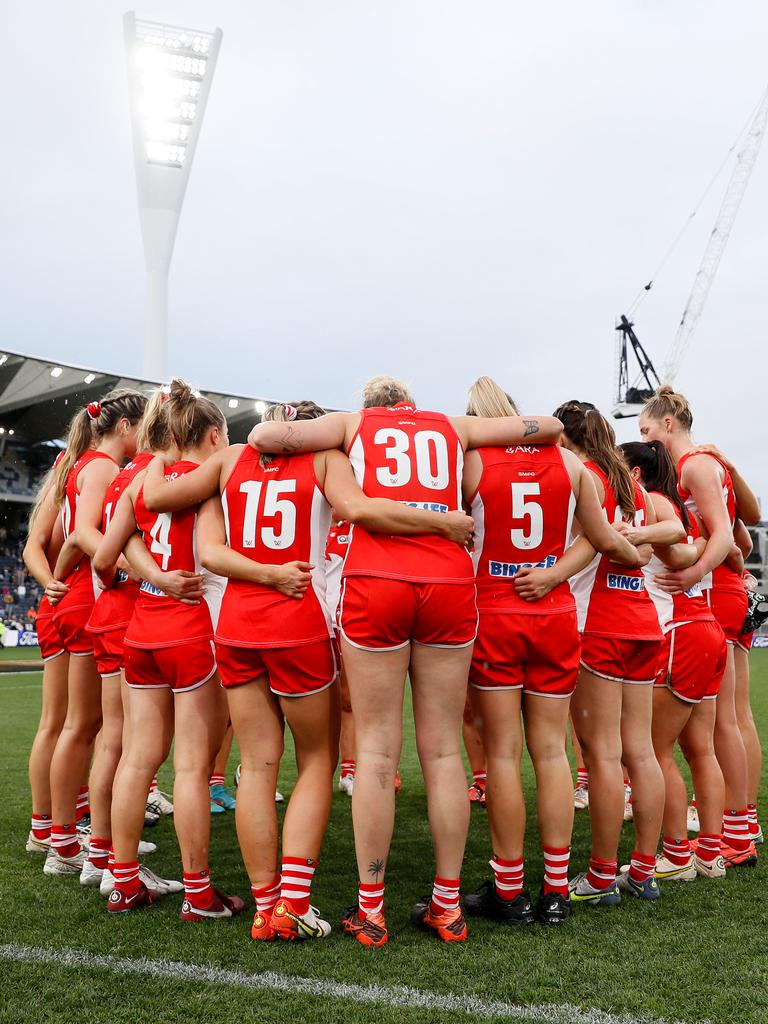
55	590
533	584
634	534
459	527
678	582
711	449
184	585
293	578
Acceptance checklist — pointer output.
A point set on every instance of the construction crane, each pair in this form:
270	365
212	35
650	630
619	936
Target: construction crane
631	397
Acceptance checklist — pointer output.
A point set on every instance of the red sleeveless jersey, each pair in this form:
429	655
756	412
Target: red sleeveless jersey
159	620
723	576
523	510
677	609
275	514
114	608
83	589
415	457
611	599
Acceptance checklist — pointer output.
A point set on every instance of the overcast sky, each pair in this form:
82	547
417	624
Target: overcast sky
431	188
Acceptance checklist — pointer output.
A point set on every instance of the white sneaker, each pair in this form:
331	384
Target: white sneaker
581	798
758	838
347	784
35	845
145	848
675	872
715	869
628	812
57	865
279	798
154	883
293	926
159	803
693	820
91	875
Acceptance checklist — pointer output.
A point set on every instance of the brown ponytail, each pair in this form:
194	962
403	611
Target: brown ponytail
287	413
90	425
589	430
190	415
154	433
657	470
668	402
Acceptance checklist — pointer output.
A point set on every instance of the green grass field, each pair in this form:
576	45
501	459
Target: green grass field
698	954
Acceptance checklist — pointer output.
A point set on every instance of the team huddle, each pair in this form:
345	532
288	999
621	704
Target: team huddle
524	573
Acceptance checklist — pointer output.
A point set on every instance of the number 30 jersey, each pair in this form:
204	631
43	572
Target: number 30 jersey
523	510
415	457
158	619
275	514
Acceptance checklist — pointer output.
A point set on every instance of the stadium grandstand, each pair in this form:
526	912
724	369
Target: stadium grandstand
38	397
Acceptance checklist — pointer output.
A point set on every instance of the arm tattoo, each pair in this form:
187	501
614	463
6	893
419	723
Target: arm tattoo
376	868
289	442
531	427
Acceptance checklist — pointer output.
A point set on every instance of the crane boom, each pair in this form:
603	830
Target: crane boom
745	162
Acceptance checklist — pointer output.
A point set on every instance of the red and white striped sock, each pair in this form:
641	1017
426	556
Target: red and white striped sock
754	826
197	887
111	861
445	895
508	876
347	769
556	860
677	851
708	847
296	881
693	800
98	851
480	778
266	896
582	778
64	840
153	786
601	873
81	807
216	780
641	866
370	898
736	830
126	875
41	826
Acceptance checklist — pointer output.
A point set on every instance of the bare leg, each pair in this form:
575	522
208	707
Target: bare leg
69	764
729	745
439	687
503	738
670	716
106	758
222	757
347	737
746	722
473	740
546	727
697	745
52	716
643	768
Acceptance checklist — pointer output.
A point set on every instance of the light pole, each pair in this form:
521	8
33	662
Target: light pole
169	77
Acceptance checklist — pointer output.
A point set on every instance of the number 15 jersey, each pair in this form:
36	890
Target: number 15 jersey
415	457
274	514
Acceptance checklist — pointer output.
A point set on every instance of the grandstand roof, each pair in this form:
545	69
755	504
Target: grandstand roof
38	397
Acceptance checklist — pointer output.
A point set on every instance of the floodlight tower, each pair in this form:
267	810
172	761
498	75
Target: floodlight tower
169	77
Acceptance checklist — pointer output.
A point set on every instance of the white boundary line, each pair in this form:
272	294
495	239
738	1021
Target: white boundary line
394	996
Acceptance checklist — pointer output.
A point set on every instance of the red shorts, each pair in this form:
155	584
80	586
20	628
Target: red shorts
745	642
692	661
109	652
292	671
536	653
620	660
177	668
71	625
730	609
48	637
378	614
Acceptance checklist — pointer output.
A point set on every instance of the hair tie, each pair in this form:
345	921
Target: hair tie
94	410
165	396
291	412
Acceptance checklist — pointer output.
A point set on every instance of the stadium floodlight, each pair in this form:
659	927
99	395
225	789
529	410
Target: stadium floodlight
260	407
89	378
57	371
169	77
233	403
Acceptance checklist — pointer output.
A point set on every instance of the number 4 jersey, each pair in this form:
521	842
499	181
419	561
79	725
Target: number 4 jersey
523	509
275	513
415	457
159	620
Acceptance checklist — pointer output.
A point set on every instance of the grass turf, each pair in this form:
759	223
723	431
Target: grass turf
698	954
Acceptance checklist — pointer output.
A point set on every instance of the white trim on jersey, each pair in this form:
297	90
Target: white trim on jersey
477	512
581	585
663	602
319	525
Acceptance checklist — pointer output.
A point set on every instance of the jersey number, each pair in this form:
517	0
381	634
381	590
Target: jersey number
431	457
524	508
160	534
274	505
